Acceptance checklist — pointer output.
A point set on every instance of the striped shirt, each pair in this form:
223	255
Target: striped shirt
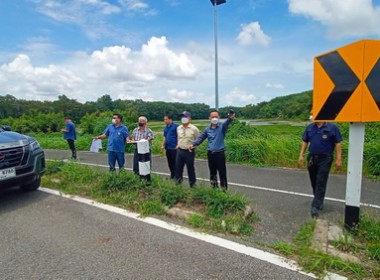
138	134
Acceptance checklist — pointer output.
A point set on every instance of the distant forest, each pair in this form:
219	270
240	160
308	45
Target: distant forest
293	106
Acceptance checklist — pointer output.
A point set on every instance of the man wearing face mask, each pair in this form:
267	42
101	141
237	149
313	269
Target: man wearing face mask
117	134
187	133
215	133
139	133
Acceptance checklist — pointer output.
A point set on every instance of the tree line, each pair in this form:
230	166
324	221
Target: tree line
294	106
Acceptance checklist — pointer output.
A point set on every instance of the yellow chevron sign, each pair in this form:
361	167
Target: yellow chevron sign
347	83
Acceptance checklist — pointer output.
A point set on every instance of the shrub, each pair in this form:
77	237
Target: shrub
372	158
219	203
171	194
123	181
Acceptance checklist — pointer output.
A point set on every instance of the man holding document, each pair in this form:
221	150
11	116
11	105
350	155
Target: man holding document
117	135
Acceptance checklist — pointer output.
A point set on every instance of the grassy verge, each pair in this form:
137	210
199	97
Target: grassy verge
215	210
264	145
364	244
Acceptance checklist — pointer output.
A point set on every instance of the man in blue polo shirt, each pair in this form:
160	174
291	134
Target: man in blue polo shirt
70	135
323	138
170	143
215	133
117	134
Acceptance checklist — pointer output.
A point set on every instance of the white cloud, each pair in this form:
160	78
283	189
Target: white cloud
115	69
342	18
239	97
275	86
89	15
20	77
75	11
180	95
134	5
251	34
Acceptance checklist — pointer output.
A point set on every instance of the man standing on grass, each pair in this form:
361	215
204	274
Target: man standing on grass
215	133
142	132
187	133
117	135
170	143
70	135
323	138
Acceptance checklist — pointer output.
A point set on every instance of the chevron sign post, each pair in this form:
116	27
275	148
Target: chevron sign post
347	89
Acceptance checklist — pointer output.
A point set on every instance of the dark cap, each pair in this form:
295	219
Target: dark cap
186	114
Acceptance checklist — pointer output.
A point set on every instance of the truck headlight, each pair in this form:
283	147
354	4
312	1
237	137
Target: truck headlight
35	145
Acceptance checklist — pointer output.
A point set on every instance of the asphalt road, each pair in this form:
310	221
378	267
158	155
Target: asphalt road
281	197
44	236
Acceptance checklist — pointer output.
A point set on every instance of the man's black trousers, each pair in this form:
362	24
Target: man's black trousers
171	157
217	164
185	157
72	148
319	168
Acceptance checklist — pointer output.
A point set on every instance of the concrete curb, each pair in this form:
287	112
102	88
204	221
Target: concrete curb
325	233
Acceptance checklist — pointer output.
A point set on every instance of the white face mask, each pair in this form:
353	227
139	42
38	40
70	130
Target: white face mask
184	120
113	121
214	120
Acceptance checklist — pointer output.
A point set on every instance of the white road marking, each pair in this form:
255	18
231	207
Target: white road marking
239	248
249	187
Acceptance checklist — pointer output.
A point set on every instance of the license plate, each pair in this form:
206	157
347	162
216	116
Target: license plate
7	173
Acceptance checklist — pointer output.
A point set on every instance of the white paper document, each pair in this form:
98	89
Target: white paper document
96	145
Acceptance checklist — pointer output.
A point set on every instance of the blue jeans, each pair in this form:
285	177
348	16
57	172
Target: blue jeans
116	156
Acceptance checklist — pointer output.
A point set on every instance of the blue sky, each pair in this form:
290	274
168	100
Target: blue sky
164	49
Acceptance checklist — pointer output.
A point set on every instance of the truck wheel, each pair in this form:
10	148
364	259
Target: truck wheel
32	186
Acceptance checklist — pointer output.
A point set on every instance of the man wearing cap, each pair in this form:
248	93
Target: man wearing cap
187	133
215	133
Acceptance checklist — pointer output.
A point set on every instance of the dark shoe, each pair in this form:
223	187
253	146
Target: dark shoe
314	213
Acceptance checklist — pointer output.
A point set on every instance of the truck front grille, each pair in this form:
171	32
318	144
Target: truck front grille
12	157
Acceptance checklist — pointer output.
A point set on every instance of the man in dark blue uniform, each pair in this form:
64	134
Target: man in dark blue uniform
70	135
170	143
323	138
117	135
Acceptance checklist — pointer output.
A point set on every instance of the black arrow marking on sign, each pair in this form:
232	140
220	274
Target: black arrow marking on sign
373	82
345	82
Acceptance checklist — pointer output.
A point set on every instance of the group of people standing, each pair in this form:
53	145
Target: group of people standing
321	138
118	135
180	142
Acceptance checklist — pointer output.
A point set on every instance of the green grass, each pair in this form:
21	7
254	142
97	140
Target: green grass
126	190
365	245
262	145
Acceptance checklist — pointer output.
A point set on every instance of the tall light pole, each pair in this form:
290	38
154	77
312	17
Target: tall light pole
215	3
